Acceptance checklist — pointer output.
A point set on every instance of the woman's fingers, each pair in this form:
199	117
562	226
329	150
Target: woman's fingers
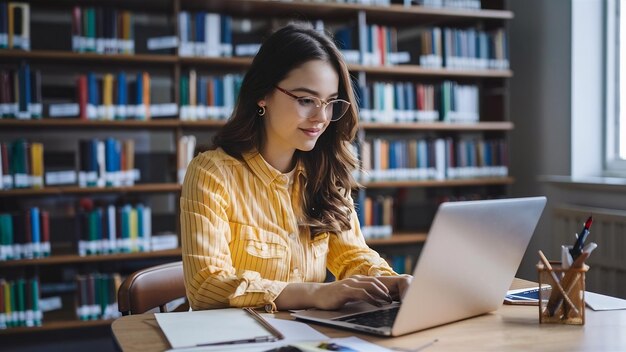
361	294
371	285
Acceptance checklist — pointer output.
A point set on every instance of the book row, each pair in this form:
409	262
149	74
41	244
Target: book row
109	162
208	97
20	93
186	151
14	25
466	49
21	164
25	235
114	97
432	158
459	4
110	229
205	34
202	97
96	296
19	303
415	102
102	30
376	216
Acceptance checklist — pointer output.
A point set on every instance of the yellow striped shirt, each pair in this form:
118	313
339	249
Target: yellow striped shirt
240	240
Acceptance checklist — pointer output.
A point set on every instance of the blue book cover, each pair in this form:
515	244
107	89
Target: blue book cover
140	215
202	91
218	91
110	155
200	27
122	94
226	30
139	89
24	87
35	225
92	89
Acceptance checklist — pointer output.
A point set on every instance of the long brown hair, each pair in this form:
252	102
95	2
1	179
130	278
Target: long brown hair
329	165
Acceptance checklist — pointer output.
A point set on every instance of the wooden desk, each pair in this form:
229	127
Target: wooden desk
508	328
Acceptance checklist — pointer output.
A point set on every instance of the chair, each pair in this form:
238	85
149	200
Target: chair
152	287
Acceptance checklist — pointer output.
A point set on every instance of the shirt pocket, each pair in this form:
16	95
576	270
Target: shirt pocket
265	250
319	246
261	244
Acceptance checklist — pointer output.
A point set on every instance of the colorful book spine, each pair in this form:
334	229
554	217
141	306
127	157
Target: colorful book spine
208	97
108	162
16	20
102	30
110	229
25	235
96	296
432	158
19	303
204	34
20	93
377	218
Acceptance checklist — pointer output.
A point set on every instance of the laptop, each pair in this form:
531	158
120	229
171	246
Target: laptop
465	268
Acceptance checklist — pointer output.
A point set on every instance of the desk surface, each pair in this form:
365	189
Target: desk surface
508	328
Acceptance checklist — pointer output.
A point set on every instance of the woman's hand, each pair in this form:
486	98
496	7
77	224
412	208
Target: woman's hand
361	288
397	285
334	295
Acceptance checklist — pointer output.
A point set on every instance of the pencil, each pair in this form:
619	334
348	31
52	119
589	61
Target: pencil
557	283
264	322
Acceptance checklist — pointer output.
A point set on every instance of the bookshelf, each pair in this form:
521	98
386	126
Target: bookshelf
157	137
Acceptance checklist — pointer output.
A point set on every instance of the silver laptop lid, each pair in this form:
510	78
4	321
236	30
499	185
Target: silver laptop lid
471	256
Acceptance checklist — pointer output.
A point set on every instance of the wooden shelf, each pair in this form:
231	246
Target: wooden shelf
439	126
77	123
483	181
69	56
203	124
413	70
338	10
239	62
50	191
406	238
74	258
57	325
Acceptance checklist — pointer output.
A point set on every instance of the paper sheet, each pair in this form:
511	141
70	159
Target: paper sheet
188	329
597	301
293	331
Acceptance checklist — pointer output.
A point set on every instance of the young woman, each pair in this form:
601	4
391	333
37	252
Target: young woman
266	212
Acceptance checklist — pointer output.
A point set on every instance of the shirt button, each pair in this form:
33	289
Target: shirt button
292	236
296	271
264	246
283	179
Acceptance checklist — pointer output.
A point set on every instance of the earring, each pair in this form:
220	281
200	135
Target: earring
261	111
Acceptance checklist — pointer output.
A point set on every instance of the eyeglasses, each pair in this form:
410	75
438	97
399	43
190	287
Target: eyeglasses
310	106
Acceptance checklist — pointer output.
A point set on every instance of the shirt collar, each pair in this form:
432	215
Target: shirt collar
266	172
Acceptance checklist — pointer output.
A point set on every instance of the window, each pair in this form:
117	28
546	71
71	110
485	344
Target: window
616	90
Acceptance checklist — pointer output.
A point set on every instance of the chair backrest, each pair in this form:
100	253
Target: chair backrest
152	287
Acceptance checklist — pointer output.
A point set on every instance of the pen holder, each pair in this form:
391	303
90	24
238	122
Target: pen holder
561	294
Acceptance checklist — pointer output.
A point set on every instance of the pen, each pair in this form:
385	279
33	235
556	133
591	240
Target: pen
234	342
277	334
580	241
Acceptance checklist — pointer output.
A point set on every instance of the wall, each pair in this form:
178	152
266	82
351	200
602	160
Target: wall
539	105
557	105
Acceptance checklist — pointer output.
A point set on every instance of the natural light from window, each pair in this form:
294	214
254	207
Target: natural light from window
621	66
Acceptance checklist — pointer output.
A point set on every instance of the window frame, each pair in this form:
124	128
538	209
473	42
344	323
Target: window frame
613	166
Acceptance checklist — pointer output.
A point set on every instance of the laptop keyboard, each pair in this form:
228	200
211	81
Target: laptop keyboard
375	319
